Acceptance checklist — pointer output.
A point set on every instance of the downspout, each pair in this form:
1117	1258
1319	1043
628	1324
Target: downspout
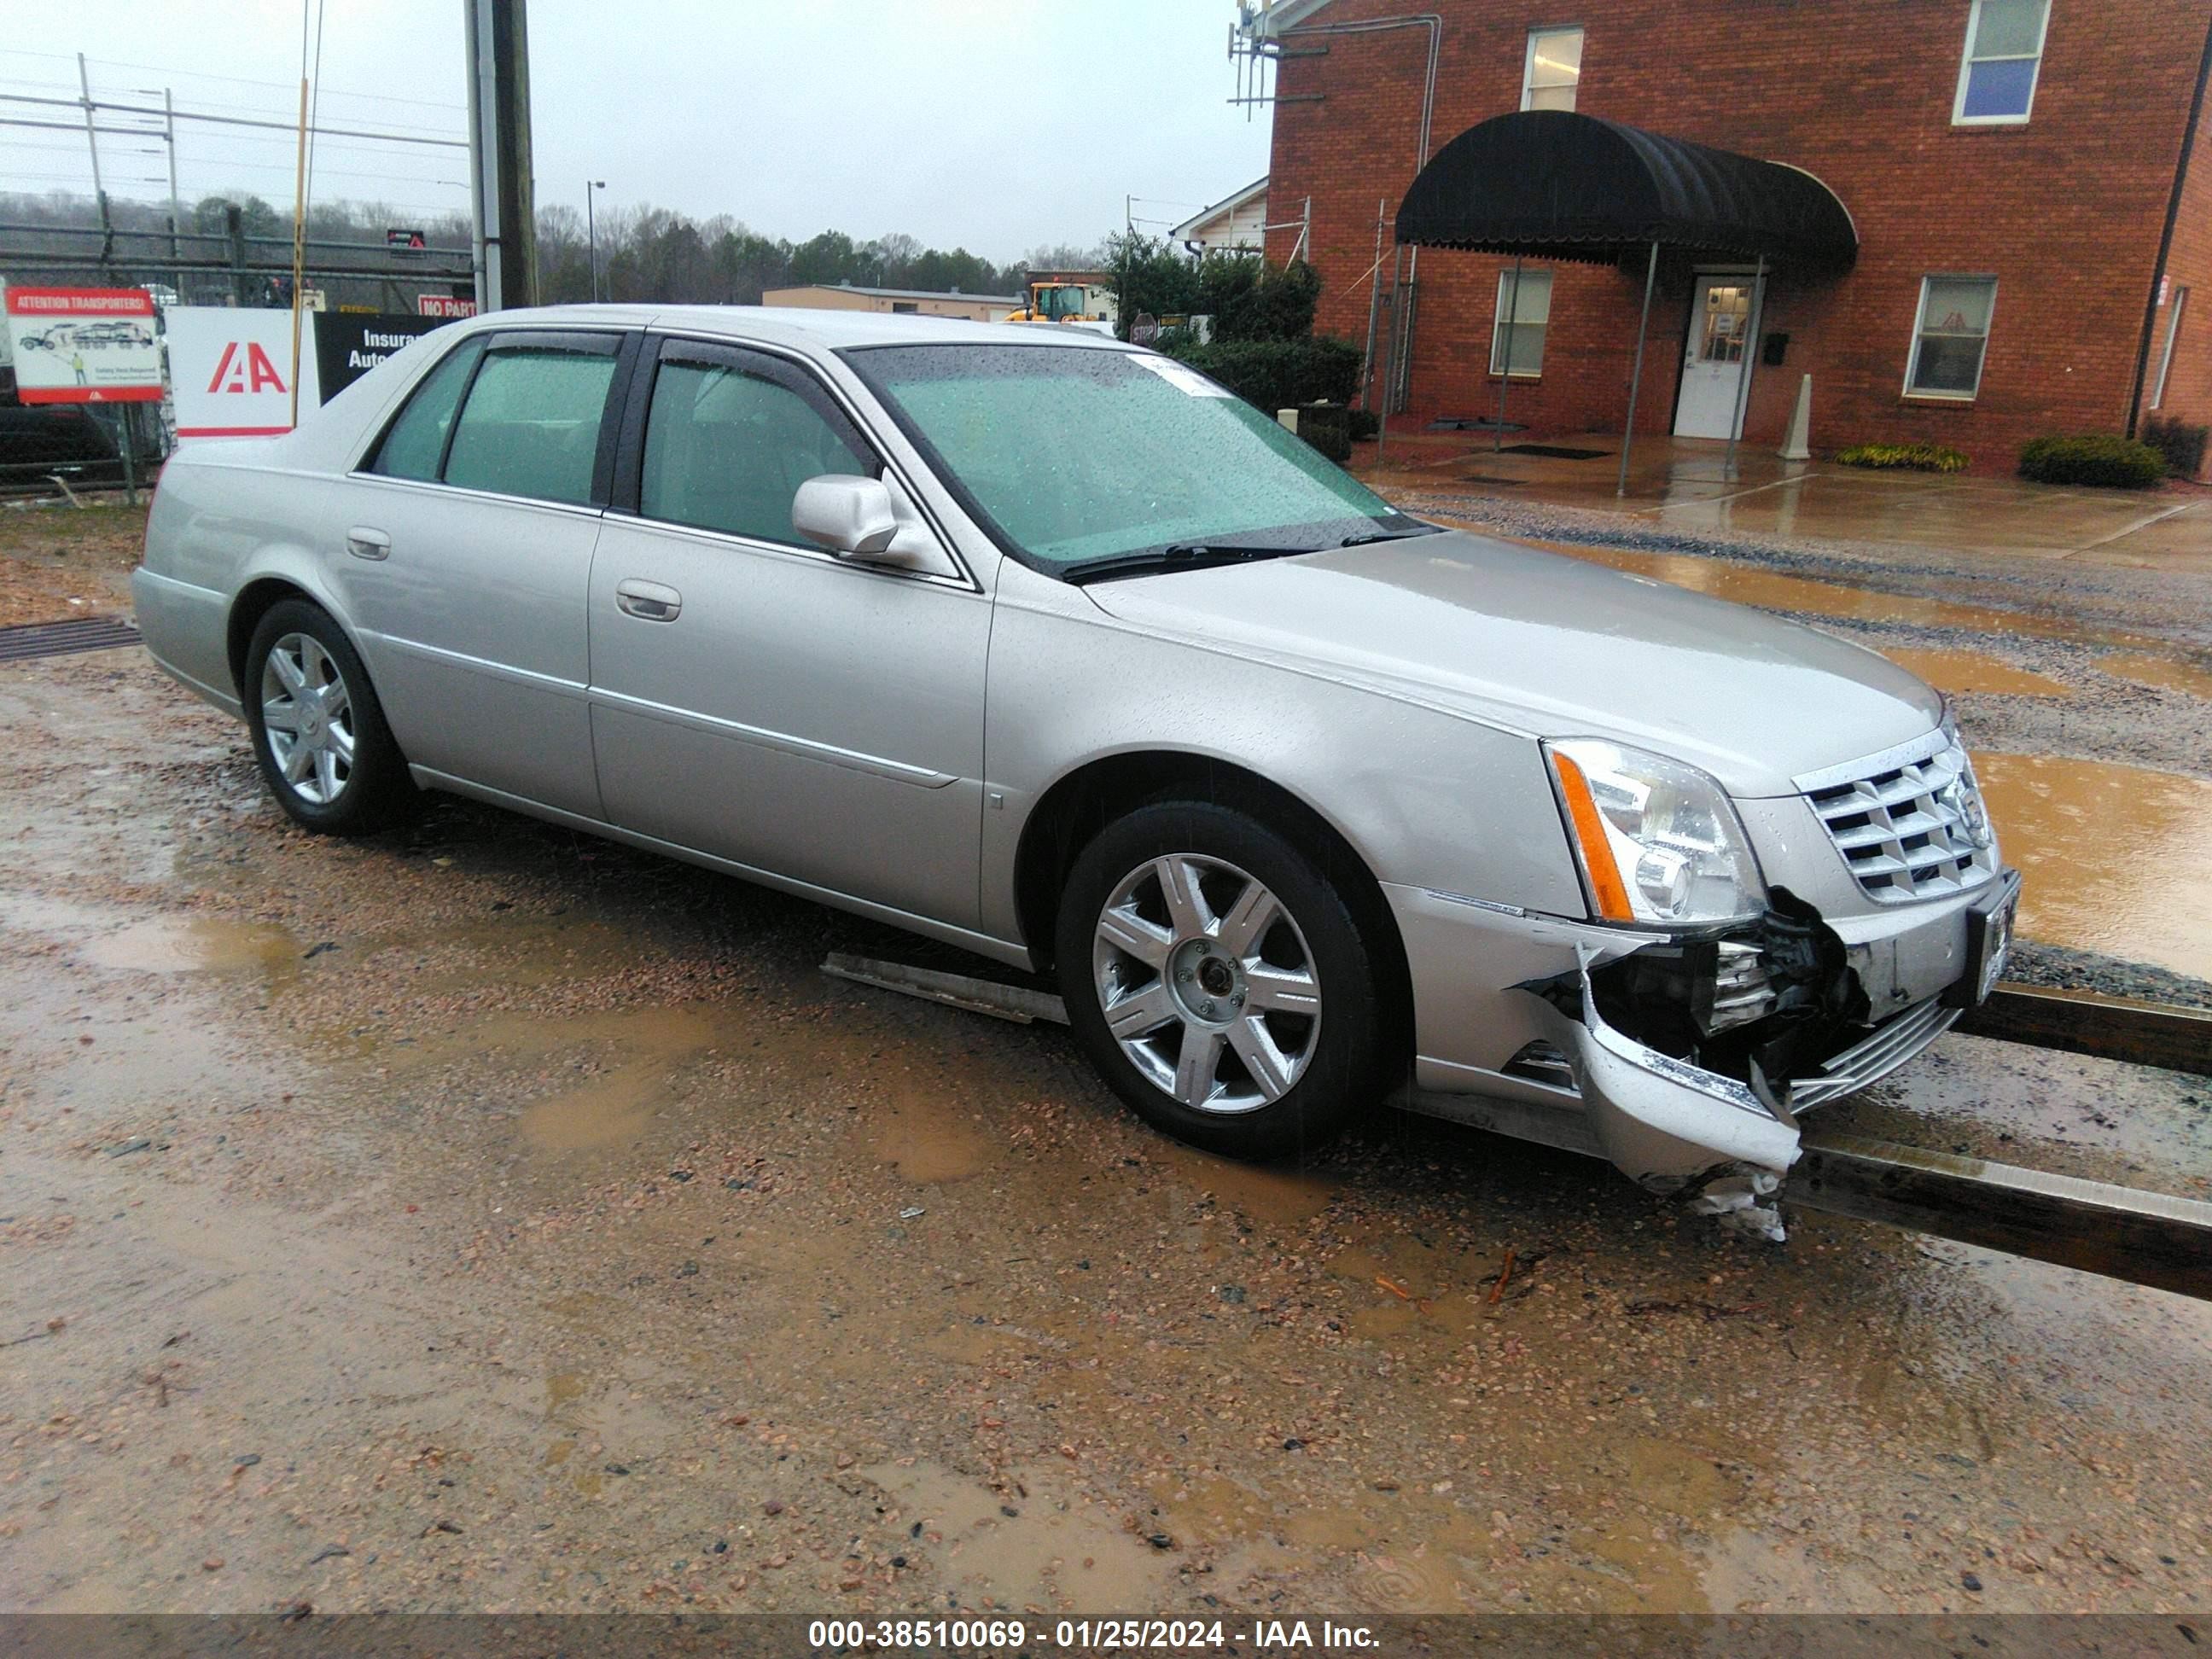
1434	22
2165	237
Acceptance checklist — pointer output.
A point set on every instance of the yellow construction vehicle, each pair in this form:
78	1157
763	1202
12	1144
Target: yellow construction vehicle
1077	299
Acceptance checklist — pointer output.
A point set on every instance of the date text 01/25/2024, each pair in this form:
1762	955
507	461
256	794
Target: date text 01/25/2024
1006	1635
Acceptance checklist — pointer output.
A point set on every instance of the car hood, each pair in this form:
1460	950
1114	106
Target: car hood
1553	645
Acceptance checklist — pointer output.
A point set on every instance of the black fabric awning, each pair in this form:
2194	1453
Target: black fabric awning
1561	186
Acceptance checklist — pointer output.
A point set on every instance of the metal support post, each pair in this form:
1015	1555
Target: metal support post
1636	377
1505	361
502	195
1374	308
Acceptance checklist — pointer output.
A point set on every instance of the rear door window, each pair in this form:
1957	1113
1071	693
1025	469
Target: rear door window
530	424
414	444
731	435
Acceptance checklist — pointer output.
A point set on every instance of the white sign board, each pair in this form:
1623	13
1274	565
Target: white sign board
232	371
84	345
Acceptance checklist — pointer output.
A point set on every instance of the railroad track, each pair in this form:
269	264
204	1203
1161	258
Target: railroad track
2120	1233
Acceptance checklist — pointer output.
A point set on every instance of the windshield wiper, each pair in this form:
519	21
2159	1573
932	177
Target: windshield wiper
1178	555
1362	540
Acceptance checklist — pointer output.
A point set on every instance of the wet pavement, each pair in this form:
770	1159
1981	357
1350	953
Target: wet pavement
481	1216
1699	488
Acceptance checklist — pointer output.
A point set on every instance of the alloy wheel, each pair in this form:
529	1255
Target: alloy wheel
307	715
1206	982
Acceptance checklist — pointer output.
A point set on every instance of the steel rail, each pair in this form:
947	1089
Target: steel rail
2085	1023
2119	1232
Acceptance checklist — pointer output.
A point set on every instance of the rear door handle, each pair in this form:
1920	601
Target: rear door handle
647	601
364	543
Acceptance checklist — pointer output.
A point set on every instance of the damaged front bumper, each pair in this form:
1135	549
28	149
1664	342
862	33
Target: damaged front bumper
1664	1123
1677	1126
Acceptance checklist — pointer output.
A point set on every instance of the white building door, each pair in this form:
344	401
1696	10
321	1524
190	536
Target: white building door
1723	313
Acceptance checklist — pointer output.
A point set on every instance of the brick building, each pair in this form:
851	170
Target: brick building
2029	231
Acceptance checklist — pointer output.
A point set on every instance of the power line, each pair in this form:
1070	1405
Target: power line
234	80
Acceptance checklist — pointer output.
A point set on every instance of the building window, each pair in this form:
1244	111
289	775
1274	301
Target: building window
1518	335
1553	69
2004	53
1953	336
2174	307
900	307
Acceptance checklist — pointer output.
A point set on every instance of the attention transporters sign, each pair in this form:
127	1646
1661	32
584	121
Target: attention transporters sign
84	345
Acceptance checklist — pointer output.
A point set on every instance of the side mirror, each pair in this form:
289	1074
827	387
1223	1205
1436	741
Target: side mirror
852	517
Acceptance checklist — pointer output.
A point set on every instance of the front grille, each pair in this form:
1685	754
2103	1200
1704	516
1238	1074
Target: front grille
1912	826
1875	1056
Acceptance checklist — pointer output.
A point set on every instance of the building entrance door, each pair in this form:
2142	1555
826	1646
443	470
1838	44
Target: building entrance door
1723	314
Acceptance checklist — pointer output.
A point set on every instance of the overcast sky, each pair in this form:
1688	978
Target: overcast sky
992	123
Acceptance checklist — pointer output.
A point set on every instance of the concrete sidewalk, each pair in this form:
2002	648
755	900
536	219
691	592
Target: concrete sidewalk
1691	486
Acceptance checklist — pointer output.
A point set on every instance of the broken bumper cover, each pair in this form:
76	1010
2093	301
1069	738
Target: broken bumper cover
1664	1123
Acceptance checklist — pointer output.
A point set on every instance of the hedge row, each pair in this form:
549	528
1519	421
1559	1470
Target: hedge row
1273	375
2095	458
2181	443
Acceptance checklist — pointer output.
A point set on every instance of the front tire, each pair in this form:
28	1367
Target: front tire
318	731
1220	981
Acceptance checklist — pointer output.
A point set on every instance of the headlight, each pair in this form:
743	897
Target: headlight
1658	841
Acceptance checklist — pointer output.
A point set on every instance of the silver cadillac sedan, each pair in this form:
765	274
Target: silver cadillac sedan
1051	648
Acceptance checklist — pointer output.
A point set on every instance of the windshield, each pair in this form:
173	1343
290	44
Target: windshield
1075	455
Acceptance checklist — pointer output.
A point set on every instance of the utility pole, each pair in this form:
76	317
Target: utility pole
592	188
92	141
176	209
503	198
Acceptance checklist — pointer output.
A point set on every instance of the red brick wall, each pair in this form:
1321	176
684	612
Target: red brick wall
2189	264
2066	212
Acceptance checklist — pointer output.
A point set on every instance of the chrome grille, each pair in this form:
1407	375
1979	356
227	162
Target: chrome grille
1911	825
1875	1056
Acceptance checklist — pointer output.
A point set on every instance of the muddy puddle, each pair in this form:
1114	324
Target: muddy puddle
2163	672
1961	673
1026	1543
2114	858
156	945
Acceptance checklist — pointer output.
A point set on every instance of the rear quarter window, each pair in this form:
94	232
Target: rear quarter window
414	443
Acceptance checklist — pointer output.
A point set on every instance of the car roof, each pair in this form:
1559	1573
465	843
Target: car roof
793	325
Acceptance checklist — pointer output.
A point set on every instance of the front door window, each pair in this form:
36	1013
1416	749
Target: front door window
1727	310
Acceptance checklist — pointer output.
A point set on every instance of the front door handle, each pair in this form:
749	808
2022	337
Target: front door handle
647	601
364	543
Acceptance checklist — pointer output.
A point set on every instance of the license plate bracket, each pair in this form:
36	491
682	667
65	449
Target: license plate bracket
1988	942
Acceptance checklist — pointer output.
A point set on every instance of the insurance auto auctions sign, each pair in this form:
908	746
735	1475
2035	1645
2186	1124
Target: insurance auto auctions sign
232	370
349	344
84	345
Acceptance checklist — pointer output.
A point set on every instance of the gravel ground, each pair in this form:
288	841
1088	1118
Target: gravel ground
62	562
479	1217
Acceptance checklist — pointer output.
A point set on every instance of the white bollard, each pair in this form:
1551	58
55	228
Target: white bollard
1287	419
1797	446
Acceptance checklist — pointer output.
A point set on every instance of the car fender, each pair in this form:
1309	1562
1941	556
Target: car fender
1426	796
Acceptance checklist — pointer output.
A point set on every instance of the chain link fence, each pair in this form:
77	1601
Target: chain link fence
51	448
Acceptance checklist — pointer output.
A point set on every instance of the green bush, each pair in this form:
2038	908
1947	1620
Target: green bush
1247	298
1328	428
2182	443
1273	375
1365	423
2093	459
1912	457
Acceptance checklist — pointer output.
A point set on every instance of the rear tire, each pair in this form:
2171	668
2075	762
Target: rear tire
1220	981
318	731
